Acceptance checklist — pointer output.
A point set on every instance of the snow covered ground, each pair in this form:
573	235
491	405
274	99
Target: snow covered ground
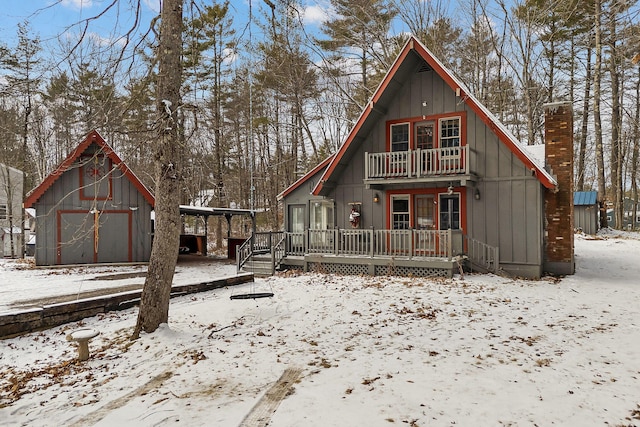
481	350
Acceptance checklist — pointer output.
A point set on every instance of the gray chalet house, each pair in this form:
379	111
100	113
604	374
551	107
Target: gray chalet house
92	209
429	181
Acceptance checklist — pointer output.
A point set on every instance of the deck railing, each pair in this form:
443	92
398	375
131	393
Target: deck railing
371	243
417	163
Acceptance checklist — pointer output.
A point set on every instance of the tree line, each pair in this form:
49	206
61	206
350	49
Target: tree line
262	104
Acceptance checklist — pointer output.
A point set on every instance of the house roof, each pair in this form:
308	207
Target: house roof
93	137
305	177
412	52
585	198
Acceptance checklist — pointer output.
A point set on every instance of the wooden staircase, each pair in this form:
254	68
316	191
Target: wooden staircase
259	265
261	256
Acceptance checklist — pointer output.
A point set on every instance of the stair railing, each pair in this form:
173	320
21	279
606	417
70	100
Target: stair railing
277	253
243	254
481	255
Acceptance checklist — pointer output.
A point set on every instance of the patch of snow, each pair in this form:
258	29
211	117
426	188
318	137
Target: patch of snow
374	351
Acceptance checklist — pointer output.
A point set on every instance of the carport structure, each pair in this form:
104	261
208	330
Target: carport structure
197	242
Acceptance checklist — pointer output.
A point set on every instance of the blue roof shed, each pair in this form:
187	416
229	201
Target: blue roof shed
585	211
585	198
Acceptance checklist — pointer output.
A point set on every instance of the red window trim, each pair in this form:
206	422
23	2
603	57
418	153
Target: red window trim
436	119
81	172
436	192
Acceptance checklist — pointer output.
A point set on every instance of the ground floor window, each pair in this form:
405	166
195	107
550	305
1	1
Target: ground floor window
419	210
400	215
449	211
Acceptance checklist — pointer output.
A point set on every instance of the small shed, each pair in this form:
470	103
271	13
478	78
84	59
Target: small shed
586	211
92	209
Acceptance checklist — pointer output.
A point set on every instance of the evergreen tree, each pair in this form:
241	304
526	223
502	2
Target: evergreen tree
358	39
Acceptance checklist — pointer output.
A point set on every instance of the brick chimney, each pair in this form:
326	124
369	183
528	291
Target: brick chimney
558	137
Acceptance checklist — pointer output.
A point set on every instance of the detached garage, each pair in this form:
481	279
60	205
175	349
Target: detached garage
92	209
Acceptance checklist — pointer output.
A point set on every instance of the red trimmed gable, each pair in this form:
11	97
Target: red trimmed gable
93	137
449	78
305	178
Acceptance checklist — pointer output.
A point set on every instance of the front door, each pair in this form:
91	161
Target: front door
425	219
400	239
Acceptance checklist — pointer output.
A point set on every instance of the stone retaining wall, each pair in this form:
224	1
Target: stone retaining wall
47	316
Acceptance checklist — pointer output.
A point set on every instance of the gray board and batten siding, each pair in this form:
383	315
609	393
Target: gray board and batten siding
509	213
66	217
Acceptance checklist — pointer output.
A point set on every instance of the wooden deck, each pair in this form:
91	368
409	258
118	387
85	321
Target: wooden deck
420	253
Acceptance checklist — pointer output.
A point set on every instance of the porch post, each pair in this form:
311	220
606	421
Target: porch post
273	260
253	231
411	240
336	234
450	244
366	165
371	242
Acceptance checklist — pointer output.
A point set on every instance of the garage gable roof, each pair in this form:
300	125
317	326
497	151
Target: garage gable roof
380	97
93	137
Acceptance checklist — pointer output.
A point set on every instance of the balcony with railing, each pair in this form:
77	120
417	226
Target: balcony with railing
434	164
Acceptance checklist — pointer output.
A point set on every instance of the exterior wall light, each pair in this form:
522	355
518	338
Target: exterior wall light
376	198
476	194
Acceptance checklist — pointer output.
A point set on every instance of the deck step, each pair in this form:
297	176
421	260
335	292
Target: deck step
259	265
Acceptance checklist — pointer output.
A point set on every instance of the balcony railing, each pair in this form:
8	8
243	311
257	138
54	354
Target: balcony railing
417	163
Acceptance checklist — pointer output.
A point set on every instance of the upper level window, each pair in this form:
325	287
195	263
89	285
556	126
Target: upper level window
424	135
3	211
400	137
427	133
450	132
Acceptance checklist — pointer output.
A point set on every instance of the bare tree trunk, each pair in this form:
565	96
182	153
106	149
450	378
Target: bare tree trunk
584	129
597	120
154	303
616	124
635	155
